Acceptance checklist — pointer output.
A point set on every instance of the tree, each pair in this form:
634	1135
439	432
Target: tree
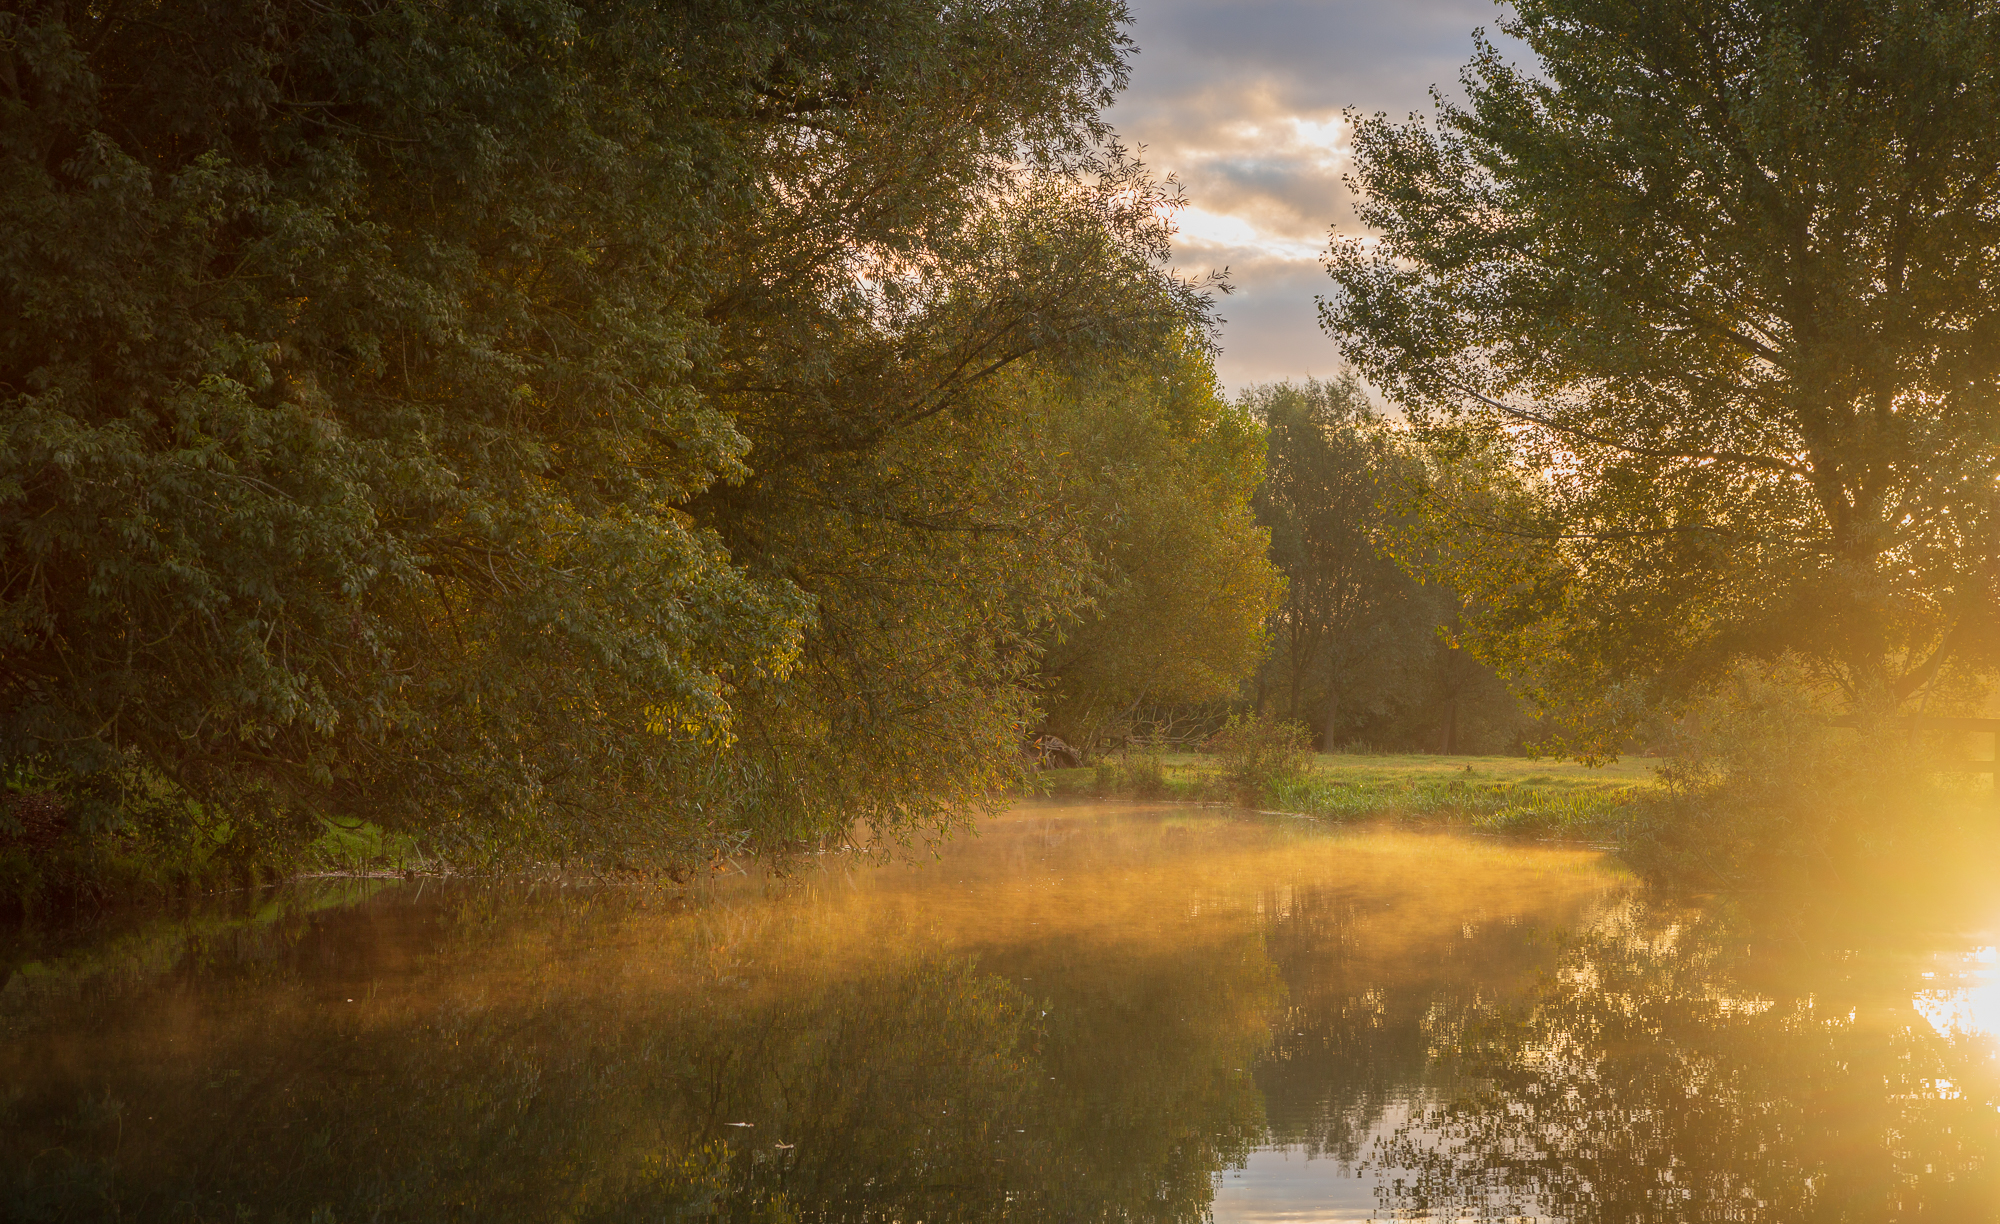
1163	469
1331	469
1367	637
1719	277
904	484
572	429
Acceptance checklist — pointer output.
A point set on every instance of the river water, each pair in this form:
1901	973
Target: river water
1087	1012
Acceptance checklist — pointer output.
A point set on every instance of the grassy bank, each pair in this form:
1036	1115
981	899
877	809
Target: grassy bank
1489	792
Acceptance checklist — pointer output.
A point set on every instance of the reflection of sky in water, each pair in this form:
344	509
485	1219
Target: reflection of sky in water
1280	1184
1294	1184
1646	1075
1290	1184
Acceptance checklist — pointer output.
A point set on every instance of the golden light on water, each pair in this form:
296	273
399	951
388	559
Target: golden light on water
1970	1006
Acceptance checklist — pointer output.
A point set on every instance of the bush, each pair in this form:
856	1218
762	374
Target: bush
1142	776
1107	779
125	834
360	847
1762	790
1260	754
1146	773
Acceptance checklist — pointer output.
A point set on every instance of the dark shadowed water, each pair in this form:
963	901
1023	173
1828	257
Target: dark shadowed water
1086	1013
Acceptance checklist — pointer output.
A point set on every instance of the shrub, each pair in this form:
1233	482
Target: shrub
1261	754
356	847
1146	774
1760	789
1108	778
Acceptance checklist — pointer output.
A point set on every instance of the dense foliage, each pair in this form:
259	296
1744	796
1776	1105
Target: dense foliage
1720	277
1367	644
589	429
1163	469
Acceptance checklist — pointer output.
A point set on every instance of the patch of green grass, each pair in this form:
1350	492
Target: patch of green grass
1500	794
362	848
1625	771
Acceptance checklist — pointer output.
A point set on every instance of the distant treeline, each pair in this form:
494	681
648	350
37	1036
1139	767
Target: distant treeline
1367	645
1365	648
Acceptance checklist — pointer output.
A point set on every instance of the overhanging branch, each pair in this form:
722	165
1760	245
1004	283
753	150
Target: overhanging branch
1764	462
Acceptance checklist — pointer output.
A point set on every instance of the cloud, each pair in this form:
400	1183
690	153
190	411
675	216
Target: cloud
1241	101
1271	329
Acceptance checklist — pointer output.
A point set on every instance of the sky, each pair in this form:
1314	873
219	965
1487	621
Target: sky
1241	100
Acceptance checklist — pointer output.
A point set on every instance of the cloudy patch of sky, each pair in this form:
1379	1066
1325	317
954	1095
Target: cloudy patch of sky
1241	100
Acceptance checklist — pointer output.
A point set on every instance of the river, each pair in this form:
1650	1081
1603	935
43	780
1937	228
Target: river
1086	1012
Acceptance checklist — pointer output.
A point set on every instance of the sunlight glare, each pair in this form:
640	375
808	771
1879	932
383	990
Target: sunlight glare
1972	1006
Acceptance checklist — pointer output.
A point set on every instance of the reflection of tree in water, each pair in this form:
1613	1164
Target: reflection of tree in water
1669	1070
1350	1047
911	1086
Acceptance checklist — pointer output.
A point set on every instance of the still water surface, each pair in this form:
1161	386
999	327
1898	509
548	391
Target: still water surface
1087	1012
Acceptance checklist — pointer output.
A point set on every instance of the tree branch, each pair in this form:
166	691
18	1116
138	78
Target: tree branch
1651	452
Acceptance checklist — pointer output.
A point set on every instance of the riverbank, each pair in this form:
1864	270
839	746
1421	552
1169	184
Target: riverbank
1491	793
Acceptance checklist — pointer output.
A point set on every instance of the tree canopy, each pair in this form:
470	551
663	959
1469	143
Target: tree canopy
1164	469
1719	277
586	428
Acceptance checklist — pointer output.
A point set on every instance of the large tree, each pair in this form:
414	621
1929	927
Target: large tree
1333	472
567	427
1720	276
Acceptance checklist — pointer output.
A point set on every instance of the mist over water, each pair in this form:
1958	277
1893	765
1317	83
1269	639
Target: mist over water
1088	1011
